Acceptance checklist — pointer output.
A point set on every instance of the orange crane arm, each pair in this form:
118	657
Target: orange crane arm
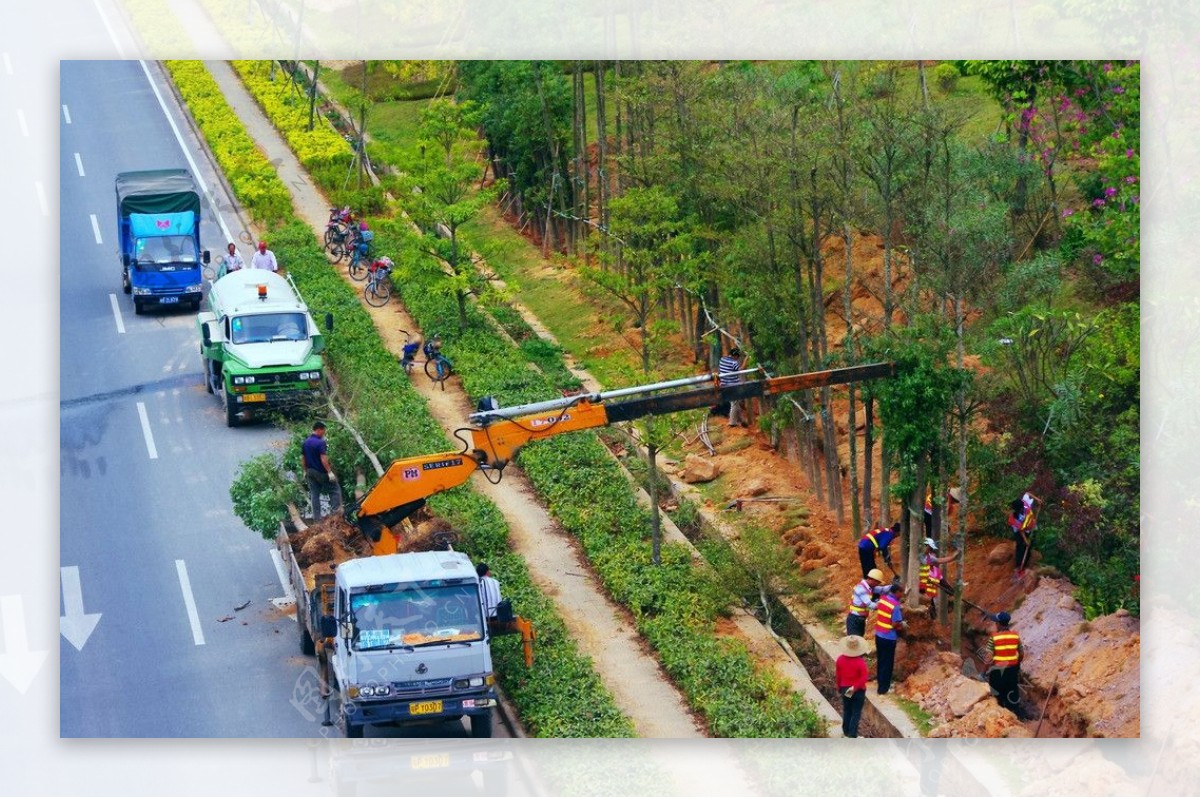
409	481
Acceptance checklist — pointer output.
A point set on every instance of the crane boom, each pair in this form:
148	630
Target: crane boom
501	432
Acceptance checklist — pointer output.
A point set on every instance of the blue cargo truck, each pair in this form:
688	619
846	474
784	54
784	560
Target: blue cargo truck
158	225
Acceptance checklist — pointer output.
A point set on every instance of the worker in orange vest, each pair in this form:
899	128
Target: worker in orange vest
1004	655
864	599
874	540
931	574
889	620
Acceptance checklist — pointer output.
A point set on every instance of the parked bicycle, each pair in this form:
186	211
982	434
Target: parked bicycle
437	366
360	253
339	230
378	289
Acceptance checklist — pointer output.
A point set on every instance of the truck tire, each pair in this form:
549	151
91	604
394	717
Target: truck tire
208	381
138	308
231	411
481	725
126	286
307	646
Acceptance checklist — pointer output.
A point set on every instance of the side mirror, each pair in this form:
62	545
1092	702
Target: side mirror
329	322
205	256
206	333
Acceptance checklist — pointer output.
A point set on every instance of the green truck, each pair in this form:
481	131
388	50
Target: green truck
260	347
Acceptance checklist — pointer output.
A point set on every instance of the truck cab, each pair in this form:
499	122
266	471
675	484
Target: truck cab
412	644
259	345
158	229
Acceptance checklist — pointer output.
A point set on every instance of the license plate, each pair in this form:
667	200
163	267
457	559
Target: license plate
168	300
425	707
254	397
428	761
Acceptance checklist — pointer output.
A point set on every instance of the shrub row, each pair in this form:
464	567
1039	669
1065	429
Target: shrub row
675	603
562	696
253	178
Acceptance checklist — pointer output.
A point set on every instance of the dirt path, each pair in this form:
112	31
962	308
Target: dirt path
634	677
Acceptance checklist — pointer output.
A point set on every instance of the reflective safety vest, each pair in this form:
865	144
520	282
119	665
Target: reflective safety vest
883	613
856	609
930	576
871	537
1006	649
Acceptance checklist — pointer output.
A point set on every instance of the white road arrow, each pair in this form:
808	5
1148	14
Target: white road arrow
17	664
75	625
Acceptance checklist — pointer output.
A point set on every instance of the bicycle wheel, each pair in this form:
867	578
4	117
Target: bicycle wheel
438	370
358	268
377	292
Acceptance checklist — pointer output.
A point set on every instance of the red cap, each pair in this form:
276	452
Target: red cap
262	246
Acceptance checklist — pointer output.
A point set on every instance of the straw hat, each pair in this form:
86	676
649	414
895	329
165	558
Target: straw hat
854	646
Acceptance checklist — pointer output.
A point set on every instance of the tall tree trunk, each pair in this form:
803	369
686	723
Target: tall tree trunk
852	418
602	183
868	456
312	94
655	520
912	549
963	492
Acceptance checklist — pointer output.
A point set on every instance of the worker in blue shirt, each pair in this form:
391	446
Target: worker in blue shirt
876	540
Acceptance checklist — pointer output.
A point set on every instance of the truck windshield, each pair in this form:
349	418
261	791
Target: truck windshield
398	615
166	253
264	327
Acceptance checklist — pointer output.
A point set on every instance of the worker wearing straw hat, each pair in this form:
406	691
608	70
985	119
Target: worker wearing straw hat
851	677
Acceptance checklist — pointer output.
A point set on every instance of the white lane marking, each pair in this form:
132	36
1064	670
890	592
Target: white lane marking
7	64
193	617
41	192
96	229
24	126
117	313
66	113
186	153
79	165
108	27
150	447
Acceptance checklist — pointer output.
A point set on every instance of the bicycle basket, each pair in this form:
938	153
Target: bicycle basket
367	236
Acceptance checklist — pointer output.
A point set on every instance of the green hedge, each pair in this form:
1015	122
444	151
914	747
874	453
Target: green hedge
562	696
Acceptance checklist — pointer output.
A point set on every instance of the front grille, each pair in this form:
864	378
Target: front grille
421	688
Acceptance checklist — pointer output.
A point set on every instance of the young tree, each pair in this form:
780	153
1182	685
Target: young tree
443	175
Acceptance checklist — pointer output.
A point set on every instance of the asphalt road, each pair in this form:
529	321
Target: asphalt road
147	528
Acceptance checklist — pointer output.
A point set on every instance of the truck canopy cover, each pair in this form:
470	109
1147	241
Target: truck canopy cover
157	191
145	225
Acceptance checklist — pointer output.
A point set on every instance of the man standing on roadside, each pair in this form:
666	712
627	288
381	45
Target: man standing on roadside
232	262
888	622
264	259
318	473
850	673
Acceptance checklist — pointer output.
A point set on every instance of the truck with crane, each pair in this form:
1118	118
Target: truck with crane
389	661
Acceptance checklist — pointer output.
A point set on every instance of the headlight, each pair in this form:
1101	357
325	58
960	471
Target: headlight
474	681
239	380
249	380
194	289
140	291
373	690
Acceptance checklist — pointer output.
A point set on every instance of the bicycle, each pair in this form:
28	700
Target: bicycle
378	289
437	366
359	249
339	231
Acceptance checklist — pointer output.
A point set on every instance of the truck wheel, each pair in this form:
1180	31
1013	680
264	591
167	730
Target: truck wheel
481	725
125	284
353	730
231	411
307	646
208	381
138	308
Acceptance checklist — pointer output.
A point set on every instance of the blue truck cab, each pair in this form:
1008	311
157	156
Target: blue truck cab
158	227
